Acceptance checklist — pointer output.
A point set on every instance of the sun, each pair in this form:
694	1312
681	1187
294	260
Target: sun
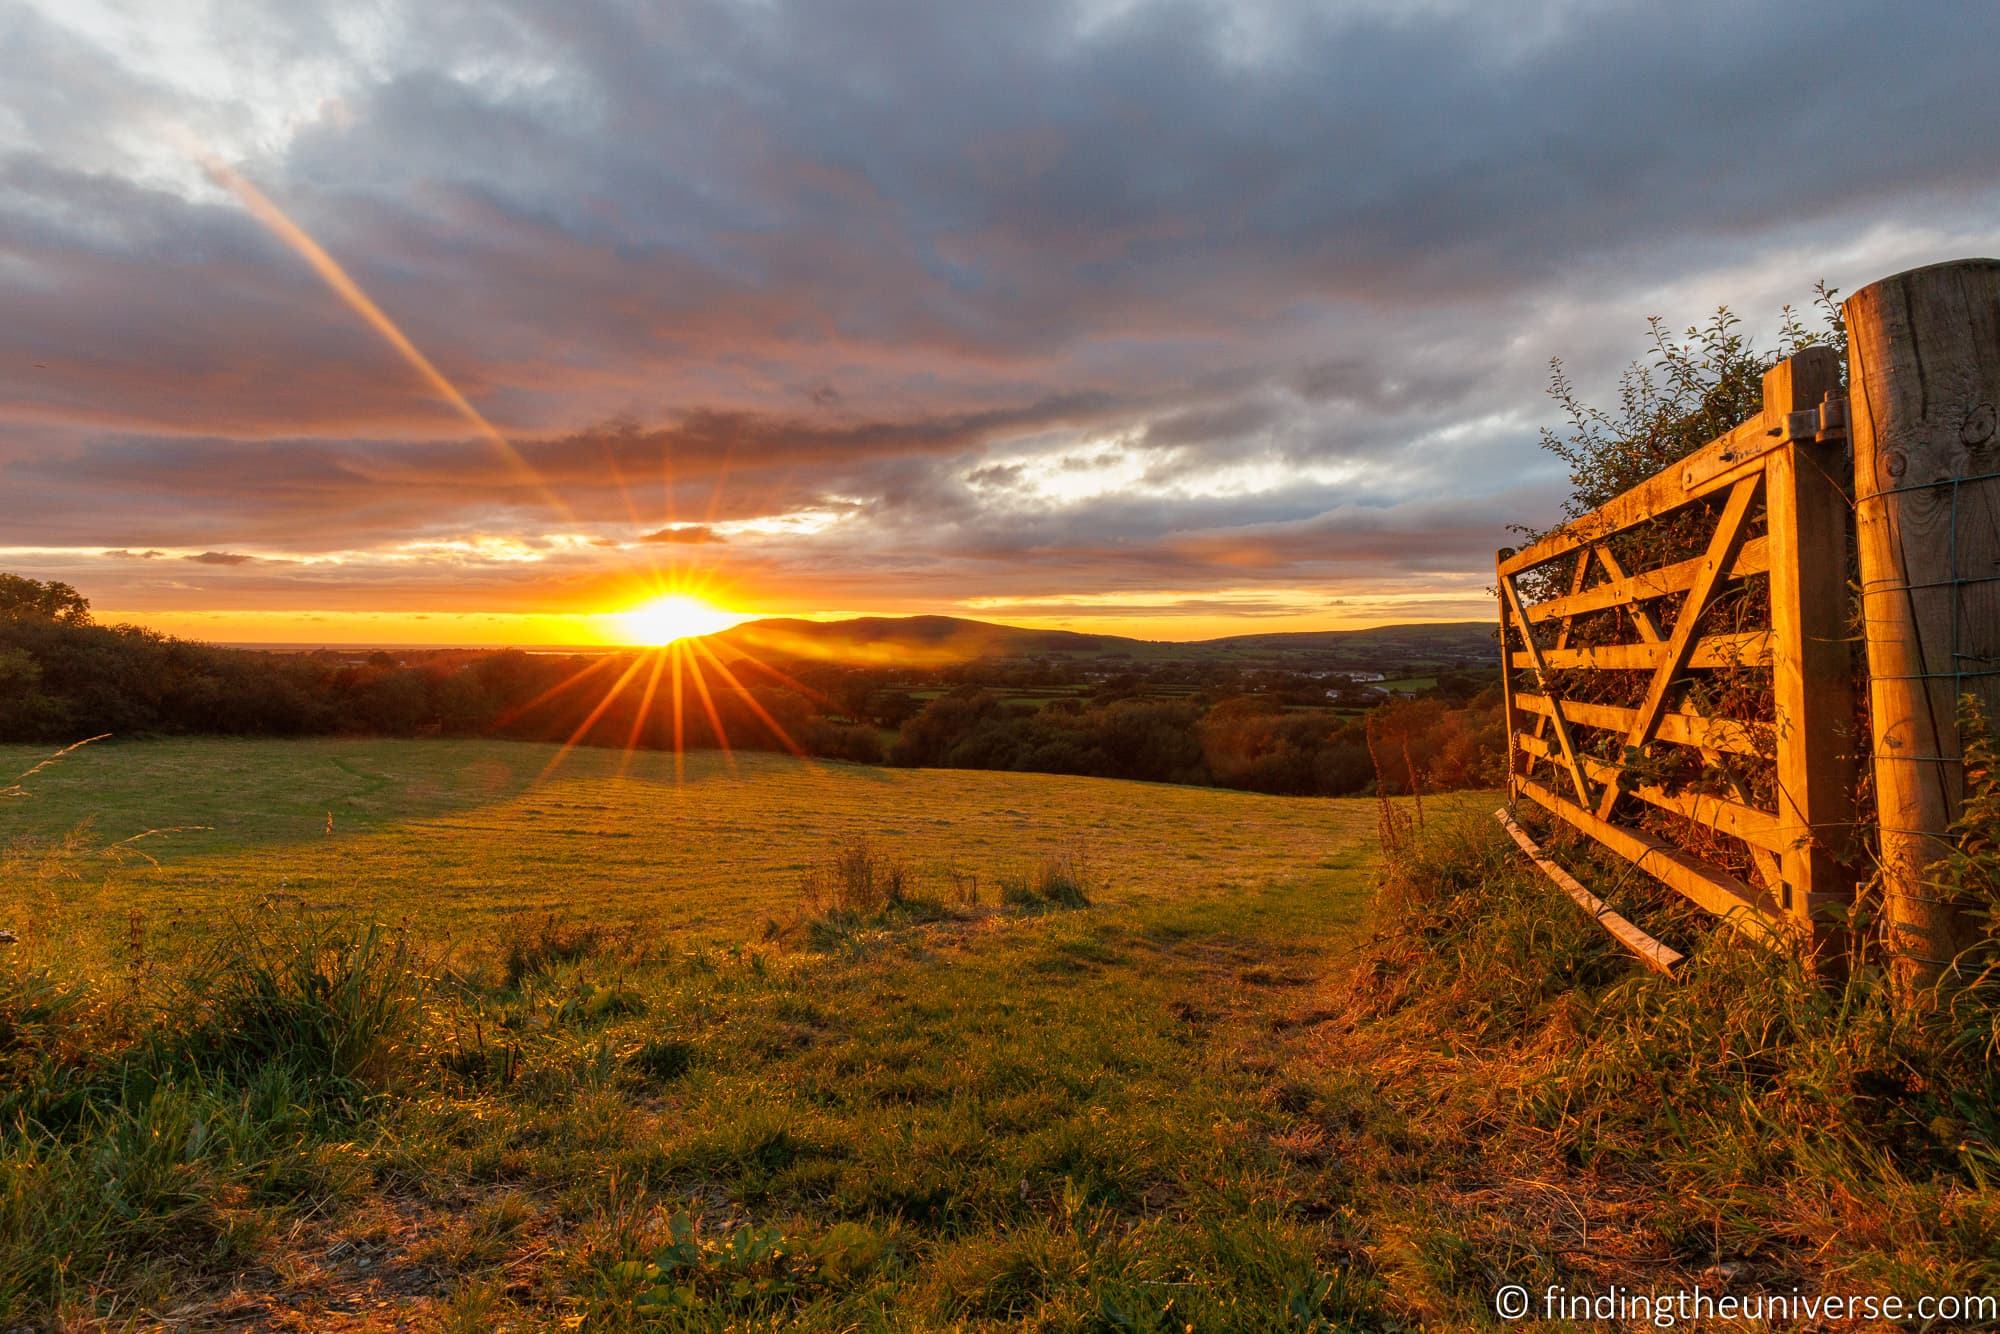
674	616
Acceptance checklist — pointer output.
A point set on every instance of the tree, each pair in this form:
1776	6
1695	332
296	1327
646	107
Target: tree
23	599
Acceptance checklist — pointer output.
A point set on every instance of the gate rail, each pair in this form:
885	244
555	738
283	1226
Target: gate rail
1586	761
1775	795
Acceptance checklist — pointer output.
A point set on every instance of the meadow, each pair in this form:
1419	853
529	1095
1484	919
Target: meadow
705	850
612	1059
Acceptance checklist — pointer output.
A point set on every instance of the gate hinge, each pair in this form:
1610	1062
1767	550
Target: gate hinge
1820	425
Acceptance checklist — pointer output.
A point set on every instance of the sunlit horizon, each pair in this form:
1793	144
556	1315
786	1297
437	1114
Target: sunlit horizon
601	630
672	617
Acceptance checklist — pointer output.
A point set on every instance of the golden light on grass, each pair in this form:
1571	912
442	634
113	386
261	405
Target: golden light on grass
671	617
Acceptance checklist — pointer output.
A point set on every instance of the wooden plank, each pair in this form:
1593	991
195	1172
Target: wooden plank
1681	729
1746	444
1642	620
1534	654
1715	565
1656	956
1812	680
1738	819
1569	623
1576	578
1749	648
1711	736
1624	589
1747	909
1662	493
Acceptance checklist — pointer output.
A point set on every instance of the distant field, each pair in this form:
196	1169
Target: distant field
479	829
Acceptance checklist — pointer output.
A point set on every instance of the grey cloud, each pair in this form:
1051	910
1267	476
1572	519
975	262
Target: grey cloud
694	533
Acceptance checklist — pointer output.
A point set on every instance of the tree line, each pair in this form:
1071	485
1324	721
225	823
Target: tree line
63	677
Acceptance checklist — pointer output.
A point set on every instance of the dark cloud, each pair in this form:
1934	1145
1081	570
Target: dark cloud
1034	295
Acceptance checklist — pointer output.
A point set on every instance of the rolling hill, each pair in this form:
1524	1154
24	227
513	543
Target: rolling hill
938	640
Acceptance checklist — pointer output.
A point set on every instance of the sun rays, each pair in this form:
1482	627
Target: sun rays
671	617
704	692
709	700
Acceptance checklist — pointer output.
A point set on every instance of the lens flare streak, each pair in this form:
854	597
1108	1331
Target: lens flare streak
329	269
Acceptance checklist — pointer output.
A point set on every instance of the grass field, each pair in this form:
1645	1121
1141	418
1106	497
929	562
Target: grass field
647	1085
486	829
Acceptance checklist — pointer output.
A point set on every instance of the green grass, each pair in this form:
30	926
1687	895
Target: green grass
604	1063
471	832
1409	685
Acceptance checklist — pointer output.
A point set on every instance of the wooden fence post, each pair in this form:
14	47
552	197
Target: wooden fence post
1812	676
1924	349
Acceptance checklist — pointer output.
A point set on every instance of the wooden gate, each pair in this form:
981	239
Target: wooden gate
1770	796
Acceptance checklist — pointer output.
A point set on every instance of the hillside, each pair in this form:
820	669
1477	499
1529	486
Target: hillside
937	640
490	827
468	1035
609	1068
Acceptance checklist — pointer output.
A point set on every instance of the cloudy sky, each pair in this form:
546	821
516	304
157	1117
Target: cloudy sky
1174	319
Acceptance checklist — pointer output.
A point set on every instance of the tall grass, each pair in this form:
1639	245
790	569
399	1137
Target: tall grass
1769	1116
332	1000
858	890
147	1114
136	1148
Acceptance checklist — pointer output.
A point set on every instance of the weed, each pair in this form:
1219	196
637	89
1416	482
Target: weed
856	879
1063	879
964	885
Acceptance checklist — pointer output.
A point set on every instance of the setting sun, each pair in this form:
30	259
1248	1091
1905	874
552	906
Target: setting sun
675	616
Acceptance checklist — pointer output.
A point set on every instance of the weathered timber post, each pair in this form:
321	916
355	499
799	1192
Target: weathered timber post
1924	383
1812	678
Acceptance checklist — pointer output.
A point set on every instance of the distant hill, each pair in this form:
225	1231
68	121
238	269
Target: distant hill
938	640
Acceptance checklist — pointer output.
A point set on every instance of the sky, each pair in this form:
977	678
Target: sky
1171	319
